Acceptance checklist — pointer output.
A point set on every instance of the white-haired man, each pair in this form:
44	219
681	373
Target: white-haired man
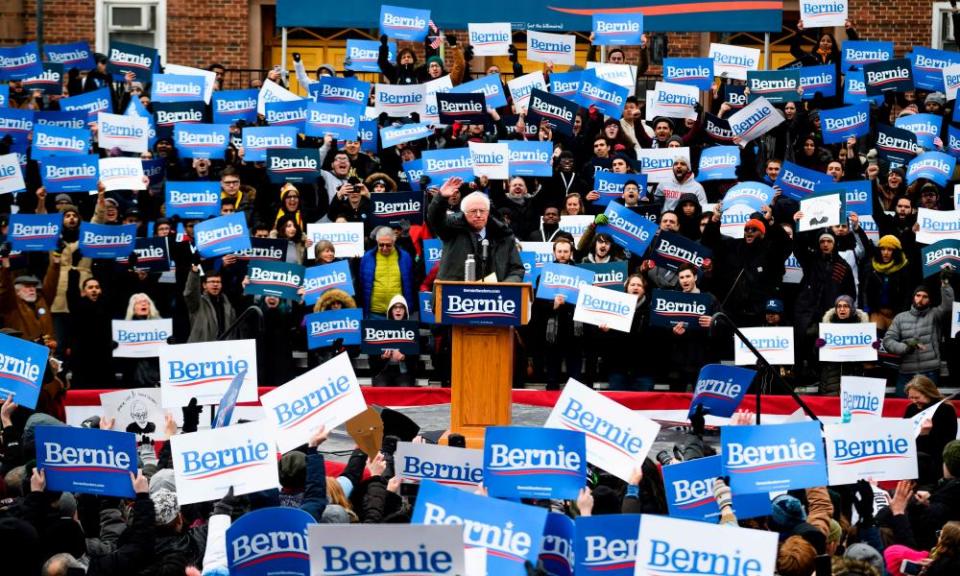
472	231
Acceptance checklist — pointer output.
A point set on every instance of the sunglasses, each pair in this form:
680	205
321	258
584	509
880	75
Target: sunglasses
751	229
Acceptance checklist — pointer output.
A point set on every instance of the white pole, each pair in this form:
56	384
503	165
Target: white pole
283	48
766	50
603	53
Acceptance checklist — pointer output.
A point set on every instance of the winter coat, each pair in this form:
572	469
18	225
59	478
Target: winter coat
368	270
890	290
944	430
203	315
825	277
459	241
925	326
831	372
135	546
91	342
671	191
33	320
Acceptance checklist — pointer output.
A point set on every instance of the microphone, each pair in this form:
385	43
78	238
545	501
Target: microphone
484	249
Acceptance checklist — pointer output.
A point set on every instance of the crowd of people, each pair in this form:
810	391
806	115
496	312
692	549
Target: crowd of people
67	300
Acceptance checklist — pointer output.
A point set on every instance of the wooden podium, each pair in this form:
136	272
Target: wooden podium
483	317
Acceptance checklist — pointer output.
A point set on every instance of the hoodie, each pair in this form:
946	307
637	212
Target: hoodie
671	191
689	225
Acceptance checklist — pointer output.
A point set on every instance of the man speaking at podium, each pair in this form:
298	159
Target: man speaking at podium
472	232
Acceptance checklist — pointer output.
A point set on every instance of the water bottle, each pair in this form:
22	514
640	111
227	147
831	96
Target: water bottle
470	269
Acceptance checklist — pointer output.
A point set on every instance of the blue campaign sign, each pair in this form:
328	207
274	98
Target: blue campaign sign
367	134
628	229
606	545
402	133
378	336
167	116
490	86
608	97
336	90
838	124
192	200
756	195
855	194
137	109
926	127
60	119
464	108
413	170
395	207
896	145
258	139
672	250
324	328
773	457
16	123
22	368
527	462
124	57
556	552
176	88
562	280
154	169
610	185
255	548
689	487
529	158
362	55
287	113
858	53
225	408
928	65
231	106
612	275
338	120
73	55
671	307
934	256
565	84
480	305
438	504
404	23
222	235
49	82
151	254
797	182
720	389
269	249
617	29
734	95
87	460
89	102
293	165
56	141
818	80
855	89
432	252
201	140
70	173
718	163
319	279
934	166
953	140
890	76
689	71
441	165
4	95
280	279
34	232
426	307
777	86
19	62
106	241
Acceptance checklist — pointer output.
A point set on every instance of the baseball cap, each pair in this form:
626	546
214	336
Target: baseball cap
774	305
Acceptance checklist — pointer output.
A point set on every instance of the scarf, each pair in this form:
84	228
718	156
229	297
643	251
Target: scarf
891	267
824	55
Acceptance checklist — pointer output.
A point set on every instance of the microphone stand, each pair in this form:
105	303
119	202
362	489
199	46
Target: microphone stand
721	317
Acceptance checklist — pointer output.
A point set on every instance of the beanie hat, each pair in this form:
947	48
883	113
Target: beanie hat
865	553
826	235
335	514
936	98
847	299
787	512
293	470
890	241
951	457
163	479
835	532
676	139
921	288
899	170
756	223
67	505
165	503
435	58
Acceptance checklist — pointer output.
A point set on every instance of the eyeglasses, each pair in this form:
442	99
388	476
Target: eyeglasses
477	212
751	229
387	245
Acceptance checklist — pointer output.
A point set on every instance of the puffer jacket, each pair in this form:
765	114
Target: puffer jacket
328	298
924	325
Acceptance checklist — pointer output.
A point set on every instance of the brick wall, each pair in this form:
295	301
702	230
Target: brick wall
905	23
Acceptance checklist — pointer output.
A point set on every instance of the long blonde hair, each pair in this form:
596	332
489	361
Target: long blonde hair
153	314
336	495
925	386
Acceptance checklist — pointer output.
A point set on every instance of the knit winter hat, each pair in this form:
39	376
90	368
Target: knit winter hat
165	503
951	457
890	241
865	553
787	512
835	532
847	299
756	223
436	59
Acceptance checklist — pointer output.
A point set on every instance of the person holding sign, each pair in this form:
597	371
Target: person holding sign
140	372
691	346
827	50
91	341
332	300
630	360
392	367
936	428
885	284
210	310
563	336
844	311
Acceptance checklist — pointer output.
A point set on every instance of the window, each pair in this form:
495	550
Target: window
142	22
943	33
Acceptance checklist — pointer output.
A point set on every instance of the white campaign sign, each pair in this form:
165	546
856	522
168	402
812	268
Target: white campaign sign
207	464
919	418
937	225
775	343
820	212
576	225
877	453
491	160
675	546
273	92
657	163
951	79
11	176
333	549
447	465
618	440
671	100
601	306
121	174
733	61
140	338
733	219
823	13
556	48
955	320
768	123
861	398
490	39
521	87
848	342
128	133
328	396
137	410
347	237
204	370
400	100
620	74
209	77
431	111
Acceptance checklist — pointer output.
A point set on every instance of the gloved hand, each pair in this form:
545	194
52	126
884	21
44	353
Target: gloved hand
698	421
821	342
722	493
912	343
512	51
452	40
132	260
863	502
296	56
383	39
876	344
191	416
600	219
946	273
75	258
468	53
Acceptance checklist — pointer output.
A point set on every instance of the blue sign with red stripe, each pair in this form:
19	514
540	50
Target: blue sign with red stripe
21	371
773	457
527	462
253	548
556	553
689	487
606	545
87	460
720	389
324	328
